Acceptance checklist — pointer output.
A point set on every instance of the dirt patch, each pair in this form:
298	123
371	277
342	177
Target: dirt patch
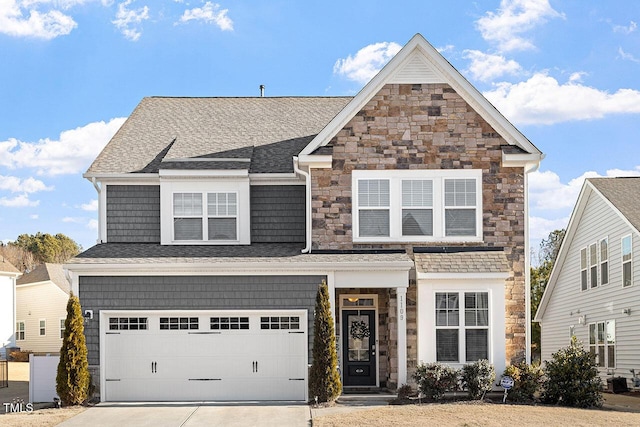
40	418
475	414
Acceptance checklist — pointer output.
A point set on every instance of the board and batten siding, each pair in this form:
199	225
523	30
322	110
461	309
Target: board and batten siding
34	303
606	302
278	213
193	293
133	213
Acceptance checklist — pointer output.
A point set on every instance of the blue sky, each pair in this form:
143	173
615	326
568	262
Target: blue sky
566	73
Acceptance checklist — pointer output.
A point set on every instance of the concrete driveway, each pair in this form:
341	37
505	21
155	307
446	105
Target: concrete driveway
192	415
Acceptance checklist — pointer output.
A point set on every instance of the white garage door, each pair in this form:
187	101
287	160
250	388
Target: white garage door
203	356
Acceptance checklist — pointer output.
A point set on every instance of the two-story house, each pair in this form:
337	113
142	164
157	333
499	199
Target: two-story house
219	218
593	291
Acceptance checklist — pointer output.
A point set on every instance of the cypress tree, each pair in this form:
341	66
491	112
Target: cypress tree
72	381
324	378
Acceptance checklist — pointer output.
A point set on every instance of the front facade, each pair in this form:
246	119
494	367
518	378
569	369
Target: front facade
593	291
8	276
219	217
41	309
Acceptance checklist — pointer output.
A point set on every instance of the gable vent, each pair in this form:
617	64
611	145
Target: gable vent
417	70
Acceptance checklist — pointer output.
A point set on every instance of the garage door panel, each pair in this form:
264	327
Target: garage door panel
254	363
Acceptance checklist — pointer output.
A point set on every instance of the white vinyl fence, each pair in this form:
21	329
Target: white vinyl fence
42	378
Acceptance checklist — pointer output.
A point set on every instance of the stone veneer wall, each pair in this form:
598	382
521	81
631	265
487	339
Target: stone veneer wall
426	126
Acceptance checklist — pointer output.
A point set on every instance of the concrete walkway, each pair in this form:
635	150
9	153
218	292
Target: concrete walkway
192	415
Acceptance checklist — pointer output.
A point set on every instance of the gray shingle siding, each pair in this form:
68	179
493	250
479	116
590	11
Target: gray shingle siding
278	214
133	213
193	293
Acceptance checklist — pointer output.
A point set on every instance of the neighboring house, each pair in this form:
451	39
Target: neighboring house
219	218
8	276
41	309
594	288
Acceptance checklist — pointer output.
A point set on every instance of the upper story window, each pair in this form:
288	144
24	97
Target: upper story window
425	205
191	222
604	261
205	211
594	265
627	254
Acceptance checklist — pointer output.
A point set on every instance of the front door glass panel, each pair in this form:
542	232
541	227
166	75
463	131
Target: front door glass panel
359	338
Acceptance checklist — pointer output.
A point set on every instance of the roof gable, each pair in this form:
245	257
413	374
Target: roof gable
620	194
46	272
419	62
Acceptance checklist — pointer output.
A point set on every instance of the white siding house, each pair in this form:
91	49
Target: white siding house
41	301
8	276
594	288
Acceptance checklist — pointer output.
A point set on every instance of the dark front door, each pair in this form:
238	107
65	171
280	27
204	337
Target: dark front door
359	347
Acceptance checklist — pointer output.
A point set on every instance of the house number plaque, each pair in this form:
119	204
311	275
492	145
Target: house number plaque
401	307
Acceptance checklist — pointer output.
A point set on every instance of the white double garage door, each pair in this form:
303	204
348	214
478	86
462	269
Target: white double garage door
203	355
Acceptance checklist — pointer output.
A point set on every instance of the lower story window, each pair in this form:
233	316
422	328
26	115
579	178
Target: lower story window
20	330
602	343
62	328
469	336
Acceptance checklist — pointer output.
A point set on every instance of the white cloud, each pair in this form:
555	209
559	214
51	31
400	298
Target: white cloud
17	21
92	224
549	197
627	56
626	30
73	220
505	28
34	216
367	61
20	201
539	228
70	153
211	14
18	185
128	20
543	100
91	206
486	66
546	192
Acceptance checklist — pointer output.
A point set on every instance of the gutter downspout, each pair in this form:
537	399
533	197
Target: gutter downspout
529	168
100	218
307	179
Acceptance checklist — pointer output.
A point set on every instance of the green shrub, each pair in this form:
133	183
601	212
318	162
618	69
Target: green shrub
478	378
434	379
72	380
405	391
324	378
527	381
572	378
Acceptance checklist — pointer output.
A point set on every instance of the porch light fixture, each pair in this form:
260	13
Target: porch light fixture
353	299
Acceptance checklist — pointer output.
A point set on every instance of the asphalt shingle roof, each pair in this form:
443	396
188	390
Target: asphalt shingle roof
462	262
151	253
45	272
623	193
269	131
7	267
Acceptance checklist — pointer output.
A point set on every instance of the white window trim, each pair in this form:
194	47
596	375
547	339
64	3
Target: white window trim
238	185
584	269
605	344
395	178
601	262
40	334
623	262
426	316
61	327
593	248
204	217
23	330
